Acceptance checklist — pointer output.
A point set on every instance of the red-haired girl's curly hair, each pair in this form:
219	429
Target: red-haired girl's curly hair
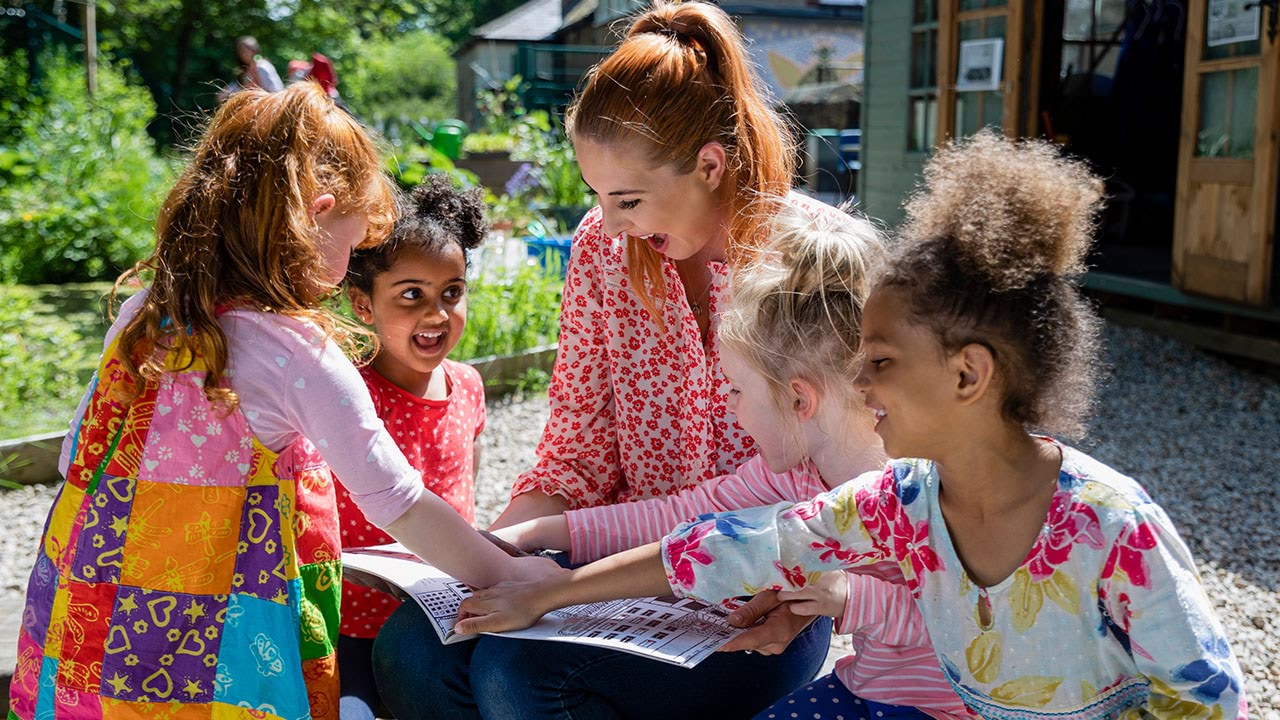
236	228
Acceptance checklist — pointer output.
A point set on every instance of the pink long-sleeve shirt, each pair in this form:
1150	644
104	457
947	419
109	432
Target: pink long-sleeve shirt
294	381
894	662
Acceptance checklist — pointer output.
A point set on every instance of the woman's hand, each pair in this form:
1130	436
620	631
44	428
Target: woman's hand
772	625
827	596
505	606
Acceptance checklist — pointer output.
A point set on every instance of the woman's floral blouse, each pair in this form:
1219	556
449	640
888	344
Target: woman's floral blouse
1105	618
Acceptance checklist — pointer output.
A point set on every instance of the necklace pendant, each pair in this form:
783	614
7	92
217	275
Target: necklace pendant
695	308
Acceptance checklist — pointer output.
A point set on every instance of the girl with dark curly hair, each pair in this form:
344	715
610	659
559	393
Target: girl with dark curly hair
1051	584
413	290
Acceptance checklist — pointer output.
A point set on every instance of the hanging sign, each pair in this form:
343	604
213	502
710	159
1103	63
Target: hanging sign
1232	21
981	63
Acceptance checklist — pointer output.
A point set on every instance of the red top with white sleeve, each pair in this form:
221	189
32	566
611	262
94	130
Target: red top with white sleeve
438	439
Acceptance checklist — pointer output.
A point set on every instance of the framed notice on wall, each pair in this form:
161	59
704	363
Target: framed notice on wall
1232	21
981	63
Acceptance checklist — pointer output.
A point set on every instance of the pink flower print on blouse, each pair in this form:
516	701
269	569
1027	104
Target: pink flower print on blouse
887	521
1127	554
794	576
1066	526
683	552
807	510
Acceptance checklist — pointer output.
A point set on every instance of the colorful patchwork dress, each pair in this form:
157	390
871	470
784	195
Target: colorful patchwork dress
186	571
1105	618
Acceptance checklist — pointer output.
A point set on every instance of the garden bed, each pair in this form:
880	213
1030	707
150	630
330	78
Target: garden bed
34	459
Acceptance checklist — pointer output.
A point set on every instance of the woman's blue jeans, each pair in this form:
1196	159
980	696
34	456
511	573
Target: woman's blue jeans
499	678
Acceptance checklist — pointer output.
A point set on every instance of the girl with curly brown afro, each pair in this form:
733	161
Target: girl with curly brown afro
1052	586
413	290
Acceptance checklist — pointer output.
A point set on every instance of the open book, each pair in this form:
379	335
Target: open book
674	630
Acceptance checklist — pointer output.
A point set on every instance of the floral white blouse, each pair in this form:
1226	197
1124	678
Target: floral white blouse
1105	618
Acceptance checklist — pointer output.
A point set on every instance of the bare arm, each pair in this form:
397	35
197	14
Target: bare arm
530	505
638	572
435	532
544	533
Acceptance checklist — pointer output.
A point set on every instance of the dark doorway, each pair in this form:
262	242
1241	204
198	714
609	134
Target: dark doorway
1111	93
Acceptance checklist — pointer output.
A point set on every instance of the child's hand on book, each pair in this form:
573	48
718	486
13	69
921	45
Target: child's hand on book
505	606
771	626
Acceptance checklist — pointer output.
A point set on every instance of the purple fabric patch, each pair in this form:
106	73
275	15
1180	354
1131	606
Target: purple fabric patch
162	646
100	546
260	555
41	587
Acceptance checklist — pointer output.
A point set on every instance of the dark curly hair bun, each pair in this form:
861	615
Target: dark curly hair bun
459	213
1016	210
433	216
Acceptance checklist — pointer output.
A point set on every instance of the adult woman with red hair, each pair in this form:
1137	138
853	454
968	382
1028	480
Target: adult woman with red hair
676	136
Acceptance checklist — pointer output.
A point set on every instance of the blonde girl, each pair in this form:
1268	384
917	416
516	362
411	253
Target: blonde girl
677	137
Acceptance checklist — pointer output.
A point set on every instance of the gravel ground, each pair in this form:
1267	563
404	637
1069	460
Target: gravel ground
1202	435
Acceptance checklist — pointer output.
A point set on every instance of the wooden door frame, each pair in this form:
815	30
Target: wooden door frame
1013	116
1259	173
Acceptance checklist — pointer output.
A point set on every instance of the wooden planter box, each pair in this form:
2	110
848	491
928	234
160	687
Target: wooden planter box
34	459
493	168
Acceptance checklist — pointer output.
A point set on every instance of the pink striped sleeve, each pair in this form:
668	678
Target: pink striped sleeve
895	663
602	531
883	609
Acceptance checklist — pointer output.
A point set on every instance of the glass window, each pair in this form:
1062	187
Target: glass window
923	131
978	109
924	59
1228	107
922	113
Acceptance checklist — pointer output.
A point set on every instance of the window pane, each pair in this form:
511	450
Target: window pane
925	11
1227	20
1228	106
924	119
924	59
1244	109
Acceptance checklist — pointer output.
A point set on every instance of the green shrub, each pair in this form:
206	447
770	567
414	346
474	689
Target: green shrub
80	181
408	78
509	315
40	365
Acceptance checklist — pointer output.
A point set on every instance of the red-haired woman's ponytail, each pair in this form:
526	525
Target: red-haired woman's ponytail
690	61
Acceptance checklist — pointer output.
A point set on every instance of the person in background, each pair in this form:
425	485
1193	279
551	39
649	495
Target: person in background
255	69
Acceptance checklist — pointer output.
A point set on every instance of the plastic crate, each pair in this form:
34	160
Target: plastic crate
552	253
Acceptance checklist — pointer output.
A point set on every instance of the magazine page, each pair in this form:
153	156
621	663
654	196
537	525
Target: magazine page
398	572
680	631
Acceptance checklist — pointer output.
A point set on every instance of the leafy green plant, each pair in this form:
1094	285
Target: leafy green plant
80	183
40	365
419	160
511	314
534	381
483	142
403	79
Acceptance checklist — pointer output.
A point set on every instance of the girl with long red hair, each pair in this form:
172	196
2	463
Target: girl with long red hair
190	564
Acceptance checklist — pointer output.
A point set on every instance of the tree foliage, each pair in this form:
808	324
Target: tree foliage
184	49
80	181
